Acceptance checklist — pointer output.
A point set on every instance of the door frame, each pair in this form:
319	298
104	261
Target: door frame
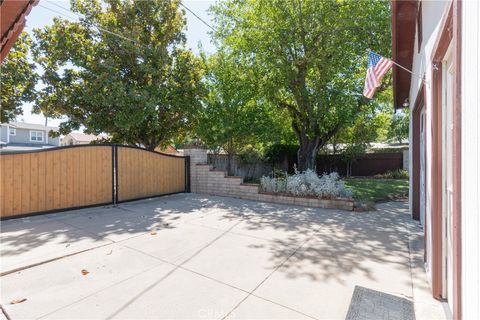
449	34
448	74
419	106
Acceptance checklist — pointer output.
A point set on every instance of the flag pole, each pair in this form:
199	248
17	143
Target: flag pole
399	65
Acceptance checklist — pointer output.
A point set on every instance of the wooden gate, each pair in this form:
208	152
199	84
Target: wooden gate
142	173
53	179
86	175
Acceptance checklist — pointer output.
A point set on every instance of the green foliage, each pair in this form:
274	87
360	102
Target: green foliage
394	174
18	79
399	126
278	152
370	191
232	117
250	156
307	57
146	91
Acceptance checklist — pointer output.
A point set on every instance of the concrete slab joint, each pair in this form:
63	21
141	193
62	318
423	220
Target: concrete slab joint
207	180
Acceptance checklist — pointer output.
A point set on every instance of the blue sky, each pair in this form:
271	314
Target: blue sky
197	33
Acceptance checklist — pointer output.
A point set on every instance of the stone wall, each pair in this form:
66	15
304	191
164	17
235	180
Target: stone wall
204	179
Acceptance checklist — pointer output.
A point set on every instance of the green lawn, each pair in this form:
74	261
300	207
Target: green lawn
370	191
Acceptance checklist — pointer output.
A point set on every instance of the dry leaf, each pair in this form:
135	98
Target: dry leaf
153	232
20	300
85	272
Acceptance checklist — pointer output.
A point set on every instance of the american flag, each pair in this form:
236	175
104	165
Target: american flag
376	69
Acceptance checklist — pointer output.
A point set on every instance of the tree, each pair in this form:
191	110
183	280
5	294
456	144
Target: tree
309	58
18	79
357	137
233	117
122	69
399	126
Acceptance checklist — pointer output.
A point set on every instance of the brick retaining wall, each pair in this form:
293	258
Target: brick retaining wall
206	180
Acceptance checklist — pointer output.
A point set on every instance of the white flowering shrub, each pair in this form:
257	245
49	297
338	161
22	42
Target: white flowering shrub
308	183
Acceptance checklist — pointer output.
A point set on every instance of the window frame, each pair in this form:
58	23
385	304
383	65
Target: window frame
36	133
10	130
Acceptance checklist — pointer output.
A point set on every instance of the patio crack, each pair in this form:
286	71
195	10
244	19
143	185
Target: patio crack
267	277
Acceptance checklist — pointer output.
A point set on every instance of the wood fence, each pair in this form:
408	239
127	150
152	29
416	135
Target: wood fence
80	176
144	173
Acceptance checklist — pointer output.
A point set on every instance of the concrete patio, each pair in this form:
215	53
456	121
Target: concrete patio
193	256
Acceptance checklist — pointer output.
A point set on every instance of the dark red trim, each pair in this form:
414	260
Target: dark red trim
450	33
416	131
404	20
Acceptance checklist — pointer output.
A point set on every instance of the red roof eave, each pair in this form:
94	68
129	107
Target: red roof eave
13	15
403	37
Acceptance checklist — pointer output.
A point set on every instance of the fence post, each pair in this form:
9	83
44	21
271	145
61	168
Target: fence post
187	174
114	191
116	174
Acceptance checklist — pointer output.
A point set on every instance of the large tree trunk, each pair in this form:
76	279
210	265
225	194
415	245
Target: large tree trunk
307	154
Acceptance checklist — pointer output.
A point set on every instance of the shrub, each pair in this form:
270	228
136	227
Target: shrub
394	174
307	183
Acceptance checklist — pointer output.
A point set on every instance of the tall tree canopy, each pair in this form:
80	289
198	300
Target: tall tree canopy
309	58
18	79
122	69
233	116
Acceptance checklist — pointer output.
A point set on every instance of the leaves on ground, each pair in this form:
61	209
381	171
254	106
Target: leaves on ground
19	300
85	272
153	232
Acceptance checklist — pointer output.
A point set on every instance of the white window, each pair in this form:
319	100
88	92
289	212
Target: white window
12	132
36	136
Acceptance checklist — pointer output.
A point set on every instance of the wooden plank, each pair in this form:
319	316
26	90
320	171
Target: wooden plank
56	176
9	187
33	182
25	177
41	163
69	178
81	178
88	176
49	181
17	184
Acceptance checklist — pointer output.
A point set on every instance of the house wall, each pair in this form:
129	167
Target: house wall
23	136
470	171
433	11
3	134
68	140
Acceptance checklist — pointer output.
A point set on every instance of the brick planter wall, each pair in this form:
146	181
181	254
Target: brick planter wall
215	182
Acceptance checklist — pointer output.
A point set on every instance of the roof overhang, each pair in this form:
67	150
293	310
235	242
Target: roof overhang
403	38
13	14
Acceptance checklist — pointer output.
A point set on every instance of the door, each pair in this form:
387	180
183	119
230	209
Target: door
447	173
422	169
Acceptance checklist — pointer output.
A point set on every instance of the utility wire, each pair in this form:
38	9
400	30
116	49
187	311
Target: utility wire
106	30
196	16
90	24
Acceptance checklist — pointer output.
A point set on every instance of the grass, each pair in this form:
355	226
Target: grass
370	191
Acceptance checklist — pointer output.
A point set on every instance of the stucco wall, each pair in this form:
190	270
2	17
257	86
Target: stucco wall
470	175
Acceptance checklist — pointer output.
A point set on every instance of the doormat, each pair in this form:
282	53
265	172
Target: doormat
368	304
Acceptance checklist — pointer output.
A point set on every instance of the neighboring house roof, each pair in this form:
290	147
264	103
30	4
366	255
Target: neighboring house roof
13	14
168	149
82	137
30	126
404	15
